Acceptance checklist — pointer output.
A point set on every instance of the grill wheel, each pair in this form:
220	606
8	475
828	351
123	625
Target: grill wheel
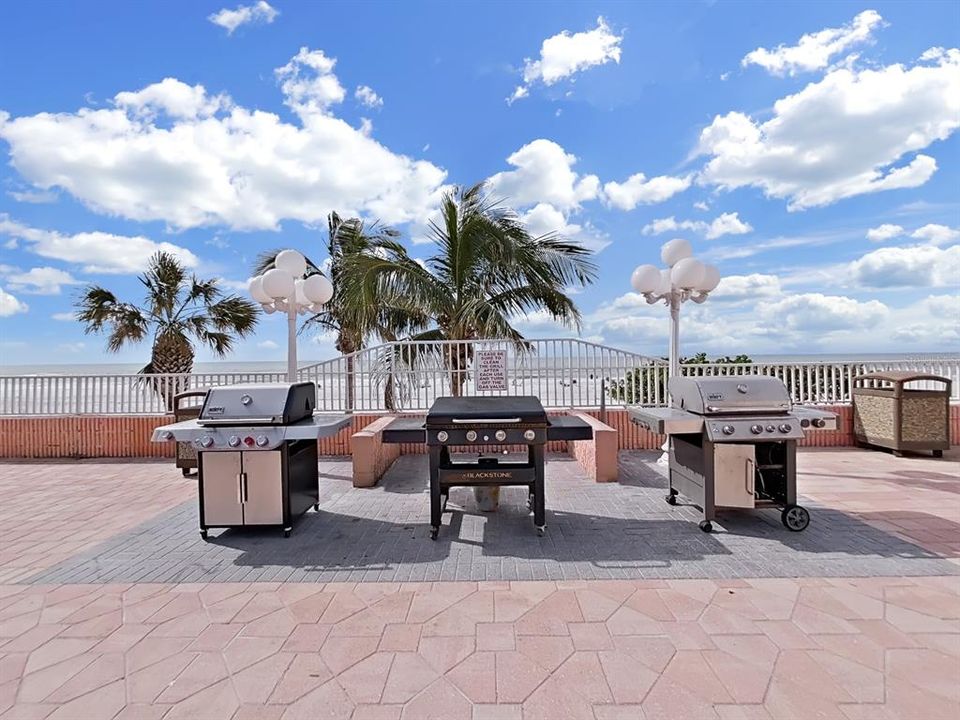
795	518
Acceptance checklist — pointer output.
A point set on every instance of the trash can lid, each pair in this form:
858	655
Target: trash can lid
901	376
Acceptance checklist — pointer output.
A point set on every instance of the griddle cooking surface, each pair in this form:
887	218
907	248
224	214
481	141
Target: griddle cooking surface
528	408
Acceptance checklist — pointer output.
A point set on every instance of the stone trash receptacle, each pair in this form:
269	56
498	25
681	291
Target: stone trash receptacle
888	414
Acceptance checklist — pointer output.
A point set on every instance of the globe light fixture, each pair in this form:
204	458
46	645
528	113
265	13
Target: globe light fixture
685	278
284	288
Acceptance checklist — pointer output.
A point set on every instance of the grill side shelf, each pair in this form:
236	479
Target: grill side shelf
405	430
565	427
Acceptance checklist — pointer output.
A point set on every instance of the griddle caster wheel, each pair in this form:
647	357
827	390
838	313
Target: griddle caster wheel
185	471
530	503
541	530
203	534
286	532
671	498
316	507
795	518
434	531
706	526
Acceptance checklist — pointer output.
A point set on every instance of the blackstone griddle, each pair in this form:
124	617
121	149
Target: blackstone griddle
475	427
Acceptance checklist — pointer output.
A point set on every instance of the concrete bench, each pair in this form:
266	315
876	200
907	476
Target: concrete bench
372	457
597	455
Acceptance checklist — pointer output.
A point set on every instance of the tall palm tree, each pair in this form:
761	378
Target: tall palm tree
178	311
353	322
486	271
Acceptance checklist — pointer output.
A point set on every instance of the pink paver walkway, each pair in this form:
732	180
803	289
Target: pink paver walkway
597	650
781	649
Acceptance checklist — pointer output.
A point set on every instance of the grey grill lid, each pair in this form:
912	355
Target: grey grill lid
258	404
741	394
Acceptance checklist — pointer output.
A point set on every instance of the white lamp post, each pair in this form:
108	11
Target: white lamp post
285	288
685	278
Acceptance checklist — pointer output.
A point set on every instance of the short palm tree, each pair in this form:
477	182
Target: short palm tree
178	311
355	322
486	271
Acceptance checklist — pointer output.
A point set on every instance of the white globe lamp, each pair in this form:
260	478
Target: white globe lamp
687	274
278	284
711	278
674	251
291	262
257	292
318	289
645	279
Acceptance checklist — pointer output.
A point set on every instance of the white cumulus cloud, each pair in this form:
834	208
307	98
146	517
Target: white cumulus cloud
639	190
9	305
243	168
96	252
267	345
724	224
543	218
814	50
566	54
884	232
920	266
367	97
816	312
39	280
230	20
936	234
544	173
851	133
747	287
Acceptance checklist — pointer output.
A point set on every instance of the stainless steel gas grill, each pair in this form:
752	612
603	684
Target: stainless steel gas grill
257	449
472	422
734	444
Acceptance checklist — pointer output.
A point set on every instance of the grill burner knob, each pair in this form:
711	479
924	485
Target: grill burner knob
804	423
206	442
500	435
471	435
770	428
756	429
234	441
819	423
442	436
246	399
529	435
262	441
785	428
167	435
728	429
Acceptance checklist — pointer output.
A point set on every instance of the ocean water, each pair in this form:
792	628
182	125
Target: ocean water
228	366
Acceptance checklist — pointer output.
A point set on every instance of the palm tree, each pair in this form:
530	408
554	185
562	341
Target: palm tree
178	311
486	271
353	322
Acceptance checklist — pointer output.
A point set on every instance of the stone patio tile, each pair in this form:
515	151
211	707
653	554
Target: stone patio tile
101	704
409	674
547	652
690	669
517	676
306	638
495	636
476	677
217	702
104	670
377	712
339	653
258	712
36	686
590	636
497	712
146	684
400	637
928	670
743	712
551	615
629	680
364	682
256	683
553	699
654	653
242	652
669	701
306	672
440	701
443	652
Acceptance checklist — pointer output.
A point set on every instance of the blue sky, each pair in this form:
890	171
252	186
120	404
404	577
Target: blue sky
809	150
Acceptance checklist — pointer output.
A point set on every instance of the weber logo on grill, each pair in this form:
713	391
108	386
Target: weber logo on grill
215	410
715	396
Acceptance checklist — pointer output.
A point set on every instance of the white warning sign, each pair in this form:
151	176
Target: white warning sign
491	370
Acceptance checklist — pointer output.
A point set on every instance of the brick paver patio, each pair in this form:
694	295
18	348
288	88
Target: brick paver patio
773	634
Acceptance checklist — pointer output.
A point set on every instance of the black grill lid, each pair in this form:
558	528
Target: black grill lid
524	409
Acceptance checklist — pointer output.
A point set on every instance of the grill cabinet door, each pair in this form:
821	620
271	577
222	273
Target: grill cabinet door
734	474
221	488
263	496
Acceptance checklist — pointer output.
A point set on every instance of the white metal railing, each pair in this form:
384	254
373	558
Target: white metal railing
108	394
563	373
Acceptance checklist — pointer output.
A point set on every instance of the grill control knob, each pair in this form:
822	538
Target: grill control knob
167	435
471	435
234	441
756	429
728	430
529	435
804	423
500	435
246	399
443	436
262	441
770	428
819	423
206	442
785	428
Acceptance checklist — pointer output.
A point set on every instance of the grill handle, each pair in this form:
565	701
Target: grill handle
745	408
751	477
212	422
483	421
240	478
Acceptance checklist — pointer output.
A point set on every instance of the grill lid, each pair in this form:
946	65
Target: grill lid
741	394
258	404
524	409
